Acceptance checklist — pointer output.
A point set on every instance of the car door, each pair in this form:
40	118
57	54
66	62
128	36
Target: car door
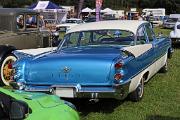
147	56
158	47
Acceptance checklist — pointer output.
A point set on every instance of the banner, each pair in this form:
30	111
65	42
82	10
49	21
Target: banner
98	9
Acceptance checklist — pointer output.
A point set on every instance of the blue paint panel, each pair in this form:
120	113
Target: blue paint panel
87	66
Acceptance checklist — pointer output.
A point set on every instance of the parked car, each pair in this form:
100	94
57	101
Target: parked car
90	19
156	21
20	105
17	32
175	34
69	24
171	21
107	59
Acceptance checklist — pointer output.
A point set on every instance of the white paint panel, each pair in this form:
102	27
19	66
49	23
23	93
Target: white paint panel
128	25
36	51
153	69
138	50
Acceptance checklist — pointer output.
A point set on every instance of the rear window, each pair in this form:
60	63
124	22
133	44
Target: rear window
99	37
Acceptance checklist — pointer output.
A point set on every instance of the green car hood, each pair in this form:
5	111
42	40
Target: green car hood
44	100
44	107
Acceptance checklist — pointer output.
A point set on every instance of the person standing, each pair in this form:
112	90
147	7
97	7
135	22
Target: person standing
41	21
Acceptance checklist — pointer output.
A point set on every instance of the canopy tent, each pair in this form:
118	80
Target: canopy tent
50	11
44	5
86	10
93	10
107	10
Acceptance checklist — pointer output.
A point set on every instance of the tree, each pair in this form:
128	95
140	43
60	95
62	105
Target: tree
171	6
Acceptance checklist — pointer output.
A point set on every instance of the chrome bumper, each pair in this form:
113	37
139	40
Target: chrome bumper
175	40
94	92
116	91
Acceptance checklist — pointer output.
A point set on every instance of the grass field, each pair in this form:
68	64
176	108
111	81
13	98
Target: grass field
161	99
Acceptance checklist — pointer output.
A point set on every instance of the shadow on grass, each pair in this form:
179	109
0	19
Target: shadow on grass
176	46
158	117
84	106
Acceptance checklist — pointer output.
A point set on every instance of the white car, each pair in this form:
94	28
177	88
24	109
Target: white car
175	34
69	24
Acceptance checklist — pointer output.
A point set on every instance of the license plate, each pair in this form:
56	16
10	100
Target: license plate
65	92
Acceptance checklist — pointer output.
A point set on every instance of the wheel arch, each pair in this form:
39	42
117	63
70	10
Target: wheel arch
136	80
170	52
146	76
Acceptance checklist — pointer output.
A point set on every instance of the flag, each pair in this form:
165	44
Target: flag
98	9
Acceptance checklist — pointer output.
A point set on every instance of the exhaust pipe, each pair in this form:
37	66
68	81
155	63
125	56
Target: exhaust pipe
94	101
94	98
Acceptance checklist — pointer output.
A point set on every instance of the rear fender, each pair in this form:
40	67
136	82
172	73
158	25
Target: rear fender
136	80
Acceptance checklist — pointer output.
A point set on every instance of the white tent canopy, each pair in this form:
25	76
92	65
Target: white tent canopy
86	10
107	10
50	11
93	10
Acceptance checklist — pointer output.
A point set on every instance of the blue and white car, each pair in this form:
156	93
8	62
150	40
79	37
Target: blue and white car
107	59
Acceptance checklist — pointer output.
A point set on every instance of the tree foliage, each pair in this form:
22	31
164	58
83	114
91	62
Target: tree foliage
171	6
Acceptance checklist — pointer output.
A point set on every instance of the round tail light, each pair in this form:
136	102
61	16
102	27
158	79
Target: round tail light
117	76
118	65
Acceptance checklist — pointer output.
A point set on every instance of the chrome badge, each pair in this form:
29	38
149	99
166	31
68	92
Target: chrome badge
66	69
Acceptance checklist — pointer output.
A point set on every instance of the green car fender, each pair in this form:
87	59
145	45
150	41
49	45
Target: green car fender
43	106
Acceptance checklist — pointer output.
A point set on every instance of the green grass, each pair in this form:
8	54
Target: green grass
164	31
161	99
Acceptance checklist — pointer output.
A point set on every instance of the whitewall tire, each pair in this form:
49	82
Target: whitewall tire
6	69
138	93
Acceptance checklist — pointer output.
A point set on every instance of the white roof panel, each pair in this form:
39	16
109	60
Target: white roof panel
128	25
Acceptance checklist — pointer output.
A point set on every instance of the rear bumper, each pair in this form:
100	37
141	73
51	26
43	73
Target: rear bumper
93	92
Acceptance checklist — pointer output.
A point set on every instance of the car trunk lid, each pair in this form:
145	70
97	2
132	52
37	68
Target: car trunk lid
85	66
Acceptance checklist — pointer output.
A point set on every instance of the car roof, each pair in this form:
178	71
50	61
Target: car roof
128	25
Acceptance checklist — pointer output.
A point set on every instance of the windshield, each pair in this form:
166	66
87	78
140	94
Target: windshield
97	38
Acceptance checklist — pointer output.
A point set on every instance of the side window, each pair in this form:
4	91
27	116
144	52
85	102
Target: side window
149	32
31	21
20	21
141	36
